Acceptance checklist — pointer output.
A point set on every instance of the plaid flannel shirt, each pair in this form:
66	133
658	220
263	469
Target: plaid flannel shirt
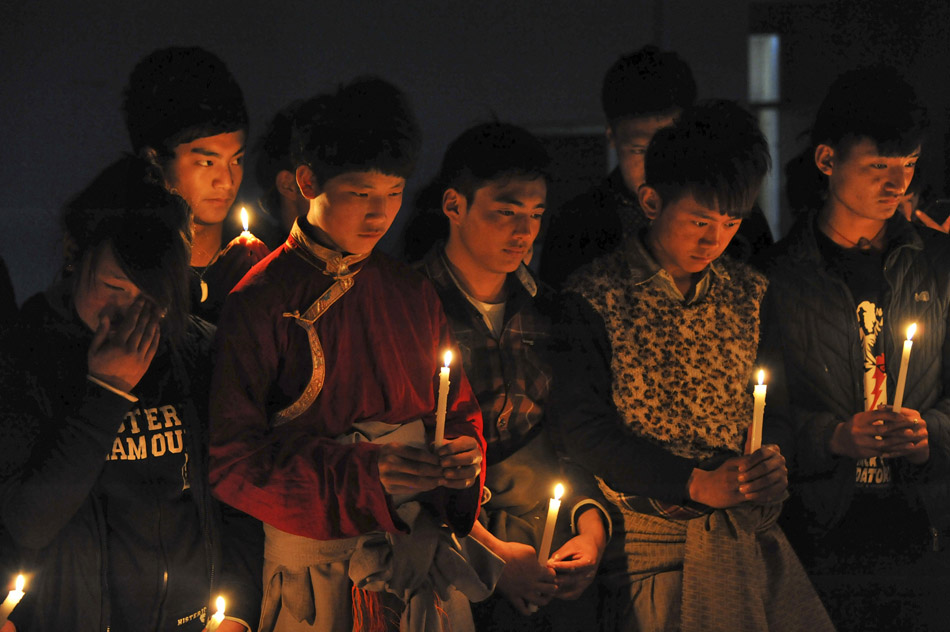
509	374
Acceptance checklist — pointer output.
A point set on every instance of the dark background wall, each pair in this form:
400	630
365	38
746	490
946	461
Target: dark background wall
534	63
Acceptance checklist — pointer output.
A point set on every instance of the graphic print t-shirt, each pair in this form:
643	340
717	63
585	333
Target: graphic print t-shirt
863	272
158	574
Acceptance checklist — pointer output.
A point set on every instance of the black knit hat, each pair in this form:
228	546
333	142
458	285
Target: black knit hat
178	94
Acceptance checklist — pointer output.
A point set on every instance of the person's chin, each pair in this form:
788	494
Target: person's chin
209	214
698	264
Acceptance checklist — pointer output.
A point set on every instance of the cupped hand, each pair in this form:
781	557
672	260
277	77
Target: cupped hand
524	581
405	469
121	356
576	565
915	439
760	477
873	433
461	462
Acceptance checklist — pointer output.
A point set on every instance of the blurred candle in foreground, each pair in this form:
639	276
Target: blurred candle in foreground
13	598
443	400
902	375
554	505
218	616
758	410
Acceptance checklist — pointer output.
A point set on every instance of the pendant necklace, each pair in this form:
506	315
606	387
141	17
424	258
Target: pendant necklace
201	275
863	243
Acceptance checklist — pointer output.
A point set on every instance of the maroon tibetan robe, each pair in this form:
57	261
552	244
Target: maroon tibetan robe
382	341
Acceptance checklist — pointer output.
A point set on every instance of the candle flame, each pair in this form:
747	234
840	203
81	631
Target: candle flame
761	377
558	491
219	604
911	331
448	358
244	217
20	582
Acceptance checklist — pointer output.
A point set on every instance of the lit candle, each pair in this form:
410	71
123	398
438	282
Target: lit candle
13	598
443	400
554	505
758	408
246	232
902	375
218	616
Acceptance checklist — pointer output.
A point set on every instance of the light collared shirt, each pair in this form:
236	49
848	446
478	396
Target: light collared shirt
645	269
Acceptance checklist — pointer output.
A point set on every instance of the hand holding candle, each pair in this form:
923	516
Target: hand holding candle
13	598
758	410
218	616
902	375
443	401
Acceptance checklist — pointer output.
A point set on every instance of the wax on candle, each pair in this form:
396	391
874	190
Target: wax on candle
218	616
13	598
902	375
554	505
758	409
443	400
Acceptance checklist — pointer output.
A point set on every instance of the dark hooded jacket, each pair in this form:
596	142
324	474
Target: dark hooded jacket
811	346
58	431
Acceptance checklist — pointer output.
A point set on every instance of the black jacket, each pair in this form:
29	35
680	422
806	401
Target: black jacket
56	428
811	346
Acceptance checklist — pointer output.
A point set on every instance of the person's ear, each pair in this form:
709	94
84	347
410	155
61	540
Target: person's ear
650	201
453	205
150	155
825	159
307	182
286	183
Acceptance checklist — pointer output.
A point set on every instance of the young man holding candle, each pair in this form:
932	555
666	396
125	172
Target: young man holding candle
493	182
869	497
660	341
324	395
185	113
274	171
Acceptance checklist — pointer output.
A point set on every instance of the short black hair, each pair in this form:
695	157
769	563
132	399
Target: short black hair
125	208
492	151
485	152
367	125
647	82
178	94
874	102
273	155
714	152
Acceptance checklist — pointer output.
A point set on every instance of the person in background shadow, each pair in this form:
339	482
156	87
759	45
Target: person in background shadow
642	92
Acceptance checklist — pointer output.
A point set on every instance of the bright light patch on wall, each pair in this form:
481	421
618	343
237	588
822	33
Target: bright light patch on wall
764	97
764	68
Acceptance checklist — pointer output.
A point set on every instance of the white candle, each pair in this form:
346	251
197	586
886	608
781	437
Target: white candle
554	505
902	375
13	598
758	408
246	232
443	400
218	616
